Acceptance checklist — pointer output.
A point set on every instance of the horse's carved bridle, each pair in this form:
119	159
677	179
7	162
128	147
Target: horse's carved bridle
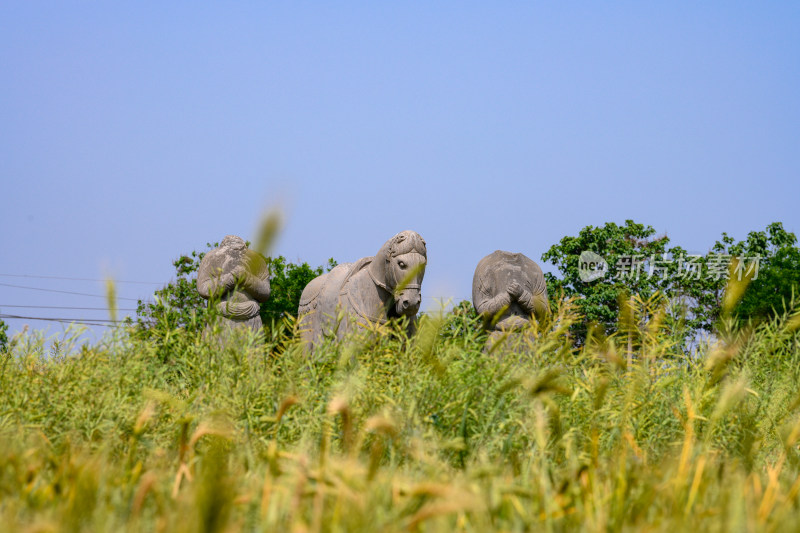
392	252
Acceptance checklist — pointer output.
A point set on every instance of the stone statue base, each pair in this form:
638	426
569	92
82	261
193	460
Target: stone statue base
511	335
253	324
224	329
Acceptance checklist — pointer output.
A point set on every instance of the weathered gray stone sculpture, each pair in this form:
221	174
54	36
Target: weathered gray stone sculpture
236	280
371	289
507	290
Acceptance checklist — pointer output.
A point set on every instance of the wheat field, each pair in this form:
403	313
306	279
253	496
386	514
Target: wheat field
384	433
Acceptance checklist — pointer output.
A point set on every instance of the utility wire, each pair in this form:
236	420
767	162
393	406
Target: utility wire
138	282
79	279
136	300
65	292
88	321
66	307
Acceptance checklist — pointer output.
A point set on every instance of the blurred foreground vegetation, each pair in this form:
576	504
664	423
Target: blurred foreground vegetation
384	433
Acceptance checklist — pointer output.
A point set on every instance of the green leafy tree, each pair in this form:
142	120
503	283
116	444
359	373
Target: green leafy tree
287	281
777	285
777	276
598	299
693	284
178	304
3	336
769	256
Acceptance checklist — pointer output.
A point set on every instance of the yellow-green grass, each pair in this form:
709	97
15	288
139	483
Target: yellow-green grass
385	433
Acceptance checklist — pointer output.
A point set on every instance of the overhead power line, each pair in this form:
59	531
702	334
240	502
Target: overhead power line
80	279
68	307
65	292
87	321
129	281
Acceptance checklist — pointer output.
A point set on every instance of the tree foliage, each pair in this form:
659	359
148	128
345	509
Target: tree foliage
3	336
778	280
598	300
641	263
287	281
178	304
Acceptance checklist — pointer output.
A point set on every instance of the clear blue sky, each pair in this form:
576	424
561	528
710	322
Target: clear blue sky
133	132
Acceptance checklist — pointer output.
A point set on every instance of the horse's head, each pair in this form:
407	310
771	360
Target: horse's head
402	260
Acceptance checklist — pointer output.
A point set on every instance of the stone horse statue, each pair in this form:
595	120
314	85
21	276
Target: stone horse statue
508	290
371	290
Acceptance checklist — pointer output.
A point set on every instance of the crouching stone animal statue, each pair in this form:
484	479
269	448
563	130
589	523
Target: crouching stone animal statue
371	290
508	290
236	280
